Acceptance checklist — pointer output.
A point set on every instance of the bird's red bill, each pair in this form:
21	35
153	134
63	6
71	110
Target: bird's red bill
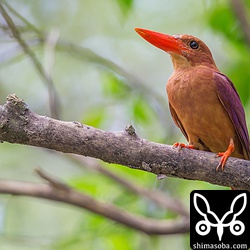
162	41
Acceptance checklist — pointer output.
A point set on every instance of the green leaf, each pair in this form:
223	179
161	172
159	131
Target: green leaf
125	5
95	116
114	86
223	20
142	112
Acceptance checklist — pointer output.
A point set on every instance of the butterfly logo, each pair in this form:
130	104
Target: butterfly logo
203	227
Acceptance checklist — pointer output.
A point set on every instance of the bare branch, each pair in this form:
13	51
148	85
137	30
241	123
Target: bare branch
67	195
20	125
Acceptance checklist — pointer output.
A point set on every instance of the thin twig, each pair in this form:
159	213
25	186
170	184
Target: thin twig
51	180
53	99
156	196
24	20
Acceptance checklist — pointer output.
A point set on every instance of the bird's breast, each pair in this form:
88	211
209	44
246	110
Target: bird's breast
193	96
191	89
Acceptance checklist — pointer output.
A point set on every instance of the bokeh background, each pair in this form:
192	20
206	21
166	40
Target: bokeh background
104	75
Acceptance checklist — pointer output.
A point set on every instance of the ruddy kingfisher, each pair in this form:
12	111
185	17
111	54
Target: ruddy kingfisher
203	102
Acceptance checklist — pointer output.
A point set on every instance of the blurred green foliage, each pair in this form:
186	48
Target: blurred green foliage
223	20
125	5
106	76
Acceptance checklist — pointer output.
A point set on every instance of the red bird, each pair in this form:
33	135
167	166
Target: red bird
203	102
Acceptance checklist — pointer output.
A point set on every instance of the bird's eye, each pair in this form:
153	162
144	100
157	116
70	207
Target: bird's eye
194	45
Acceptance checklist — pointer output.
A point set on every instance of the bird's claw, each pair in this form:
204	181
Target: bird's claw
182	145
225	155
223	161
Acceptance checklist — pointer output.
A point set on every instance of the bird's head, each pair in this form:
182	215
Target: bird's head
185	50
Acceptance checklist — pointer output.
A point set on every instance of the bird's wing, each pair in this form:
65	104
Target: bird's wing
177	121
231	102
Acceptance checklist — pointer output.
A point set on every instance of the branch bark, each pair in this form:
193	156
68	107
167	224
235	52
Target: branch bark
18	124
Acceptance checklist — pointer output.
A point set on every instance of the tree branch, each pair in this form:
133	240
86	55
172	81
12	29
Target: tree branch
18	124
58	191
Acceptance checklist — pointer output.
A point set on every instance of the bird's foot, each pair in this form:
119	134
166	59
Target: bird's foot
182	145
225	155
